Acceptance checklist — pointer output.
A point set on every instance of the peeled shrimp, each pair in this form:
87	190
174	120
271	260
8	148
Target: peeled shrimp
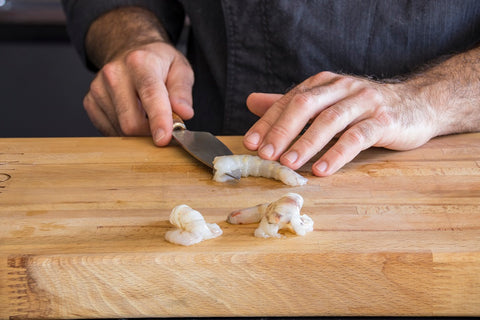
250	165
280	214
191	227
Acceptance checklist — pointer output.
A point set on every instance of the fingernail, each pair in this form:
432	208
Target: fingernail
267	151
159	134
291	156
253	138
322	166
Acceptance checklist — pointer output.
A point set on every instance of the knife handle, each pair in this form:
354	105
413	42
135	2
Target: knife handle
177	122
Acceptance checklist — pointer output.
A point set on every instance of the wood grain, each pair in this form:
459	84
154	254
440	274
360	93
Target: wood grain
82	225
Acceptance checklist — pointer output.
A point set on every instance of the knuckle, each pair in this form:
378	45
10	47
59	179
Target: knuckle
321	77
147	87
182	60
263	123
339	151
384	116
183	67
127	126
88	103
148	81
357	134
371	94
332	114
136	58
302	101
121	109
111	72
279	131
308	142
344	82
147	91
96	91
362	133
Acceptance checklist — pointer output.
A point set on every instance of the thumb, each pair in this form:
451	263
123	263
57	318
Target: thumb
179	85
258	103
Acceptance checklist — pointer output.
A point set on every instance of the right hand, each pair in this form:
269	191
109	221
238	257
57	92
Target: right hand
134	93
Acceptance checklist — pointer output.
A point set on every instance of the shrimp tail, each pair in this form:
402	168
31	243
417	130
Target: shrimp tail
247	215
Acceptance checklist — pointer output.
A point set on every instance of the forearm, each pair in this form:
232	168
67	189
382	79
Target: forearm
119	30
450	90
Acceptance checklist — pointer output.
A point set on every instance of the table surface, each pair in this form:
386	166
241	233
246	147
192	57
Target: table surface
82	225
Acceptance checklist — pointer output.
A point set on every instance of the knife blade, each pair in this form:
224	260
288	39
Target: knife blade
203	146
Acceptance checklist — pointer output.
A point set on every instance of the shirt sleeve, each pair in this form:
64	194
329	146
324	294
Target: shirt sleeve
80	15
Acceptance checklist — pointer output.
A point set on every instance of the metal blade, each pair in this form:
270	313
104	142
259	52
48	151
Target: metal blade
203	146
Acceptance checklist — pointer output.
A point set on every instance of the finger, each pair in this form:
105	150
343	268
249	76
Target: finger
148	76
130	115
359	137
179	84
100	108
303	106
325	127
258	103
98	117
154	98
254	137
288	125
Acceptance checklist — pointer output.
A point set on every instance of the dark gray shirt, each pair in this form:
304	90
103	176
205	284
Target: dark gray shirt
238	47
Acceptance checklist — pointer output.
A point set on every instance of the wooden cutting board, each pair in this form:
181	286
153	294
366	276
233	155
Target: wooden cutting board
82	225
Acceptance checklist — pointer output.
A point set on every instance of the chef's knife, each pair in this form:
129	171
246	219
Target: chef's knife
203	146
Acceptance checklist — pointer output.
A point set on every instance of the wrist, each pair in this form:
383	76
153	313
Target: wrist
416	107
121	30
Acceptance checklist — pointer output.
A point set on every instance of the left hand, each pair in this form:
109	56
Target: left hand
363	112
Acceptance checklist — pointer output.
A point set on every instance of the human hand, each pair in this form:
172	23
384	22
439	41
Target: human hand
362	112
134	94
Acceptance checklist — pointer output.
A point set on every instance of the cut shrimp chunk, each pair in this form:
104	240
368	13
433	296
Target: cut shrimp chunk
248	165
283	213
248	215
191	227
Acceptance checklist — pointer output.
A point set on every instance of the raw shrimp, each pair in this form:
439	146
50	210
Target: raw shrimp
248	215
191	227
254	166
280	214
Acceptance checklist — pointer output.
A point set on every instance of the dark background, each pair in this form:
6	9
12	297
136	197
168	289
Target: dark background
42	79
